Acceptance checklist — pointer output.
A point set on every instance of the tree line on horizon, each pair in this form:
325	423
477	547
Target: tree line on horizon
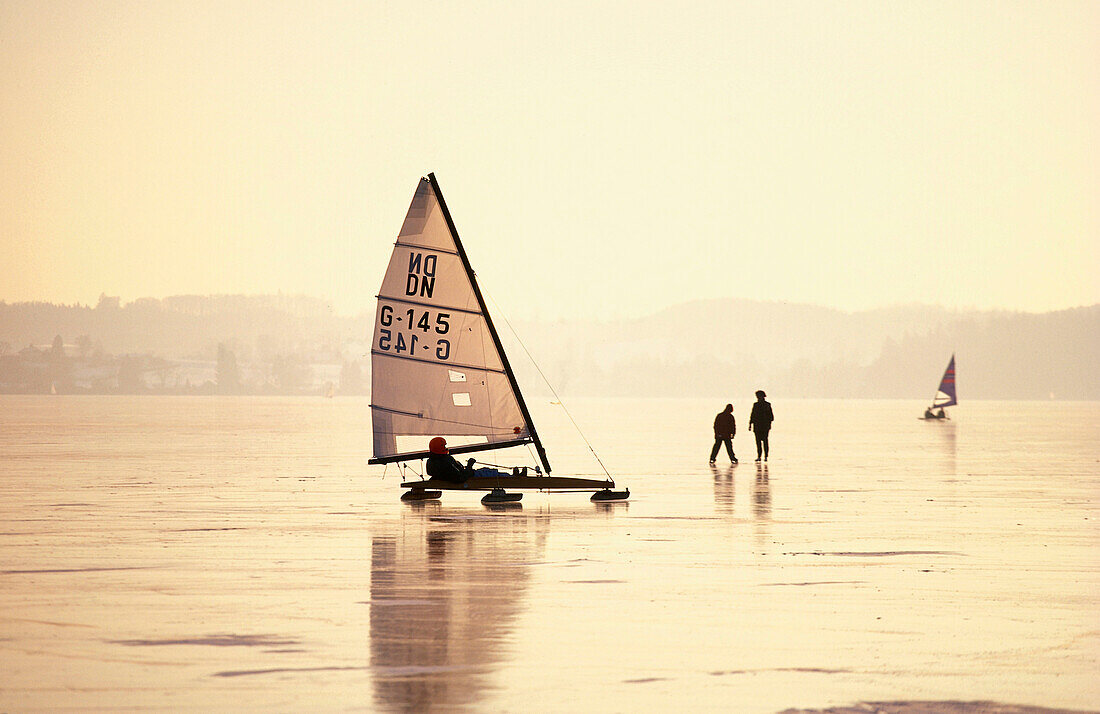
298	345
73	369
180	345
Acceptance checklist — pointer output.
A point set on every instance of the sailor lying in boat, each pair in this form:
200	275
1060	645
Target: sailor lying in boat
441	465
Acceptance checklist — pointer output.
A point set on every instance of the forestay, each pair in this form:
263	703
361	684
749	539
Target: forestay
436	367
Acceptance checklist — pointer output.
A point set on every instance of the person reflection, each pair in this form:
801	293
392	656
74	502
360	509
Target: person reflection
762	494
761	509
723	488
443	595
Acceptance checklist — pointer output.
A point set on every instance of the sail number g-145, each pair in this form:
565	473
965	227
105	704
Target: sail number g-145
412	332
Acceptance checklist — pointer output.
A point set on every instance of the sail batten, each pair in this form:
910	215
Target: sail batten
475	368
447	425
406	301
436	249
437	367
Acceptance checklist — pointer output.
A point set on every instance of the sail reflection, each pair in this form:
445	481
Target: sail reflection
949	449
445	596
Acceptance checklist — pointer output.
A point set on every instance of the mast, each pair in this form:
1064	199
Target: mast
489	323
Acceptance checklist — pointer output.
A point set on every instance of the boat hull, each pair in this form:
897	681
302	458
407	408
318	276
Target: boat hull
421	494
609	495
499	495
520	483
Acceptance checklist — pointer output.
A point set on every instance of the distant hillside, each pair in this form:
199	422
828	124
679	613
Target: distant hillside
702	348
256	327
736	346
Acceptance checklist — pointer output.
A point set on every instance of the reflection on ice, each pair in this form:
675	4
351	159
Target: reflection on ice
724	489
214	641
265	566
609	508
947	448
761	494
503	506
761	508
445	593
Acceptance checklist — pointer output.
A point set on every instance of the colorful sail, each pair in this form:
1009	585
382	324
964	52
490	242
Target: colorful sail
945	396
436	365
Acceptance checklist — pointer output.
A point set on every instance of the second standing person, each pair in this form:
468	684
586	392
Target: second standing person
760	423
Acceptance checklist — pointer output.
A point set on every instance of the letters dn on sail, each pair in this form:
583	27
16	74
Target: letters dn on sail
421	275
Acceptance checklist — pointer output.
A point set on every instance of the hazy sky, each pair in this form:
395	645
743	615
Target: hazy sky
608	158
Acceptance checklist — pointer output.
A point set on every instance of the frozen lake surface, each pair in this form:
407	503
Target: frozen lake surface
172	553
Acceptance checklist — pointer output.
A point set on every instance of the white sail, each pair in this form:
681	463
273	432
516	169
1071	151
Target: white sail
436	369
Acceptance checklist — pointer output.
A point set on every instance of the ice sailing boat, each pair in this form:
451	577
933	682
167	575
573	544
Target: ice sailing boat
438	369
945	394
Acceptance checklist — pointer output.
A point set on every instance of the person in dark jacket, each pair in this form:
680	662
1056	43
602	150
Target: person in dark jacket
444	467
725	427
760	423
441	465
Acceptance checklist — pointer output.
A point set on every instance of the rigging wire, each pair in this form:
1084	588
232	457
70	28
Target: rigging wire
484	338
551	386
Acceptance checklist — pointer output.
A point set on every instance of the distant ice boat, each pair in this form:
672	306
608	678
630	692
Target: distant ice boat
438	367
945	394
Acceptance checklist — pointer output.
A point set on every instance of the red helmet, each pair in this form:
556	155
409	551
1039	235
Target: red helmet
438	445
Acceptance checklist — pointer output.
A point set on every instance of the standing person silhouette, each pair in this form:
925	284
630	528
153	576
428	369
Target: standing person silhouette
725	427
760	423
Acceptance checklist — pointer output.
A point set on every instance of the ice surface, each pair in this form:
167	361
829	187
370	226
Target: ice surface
167	553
